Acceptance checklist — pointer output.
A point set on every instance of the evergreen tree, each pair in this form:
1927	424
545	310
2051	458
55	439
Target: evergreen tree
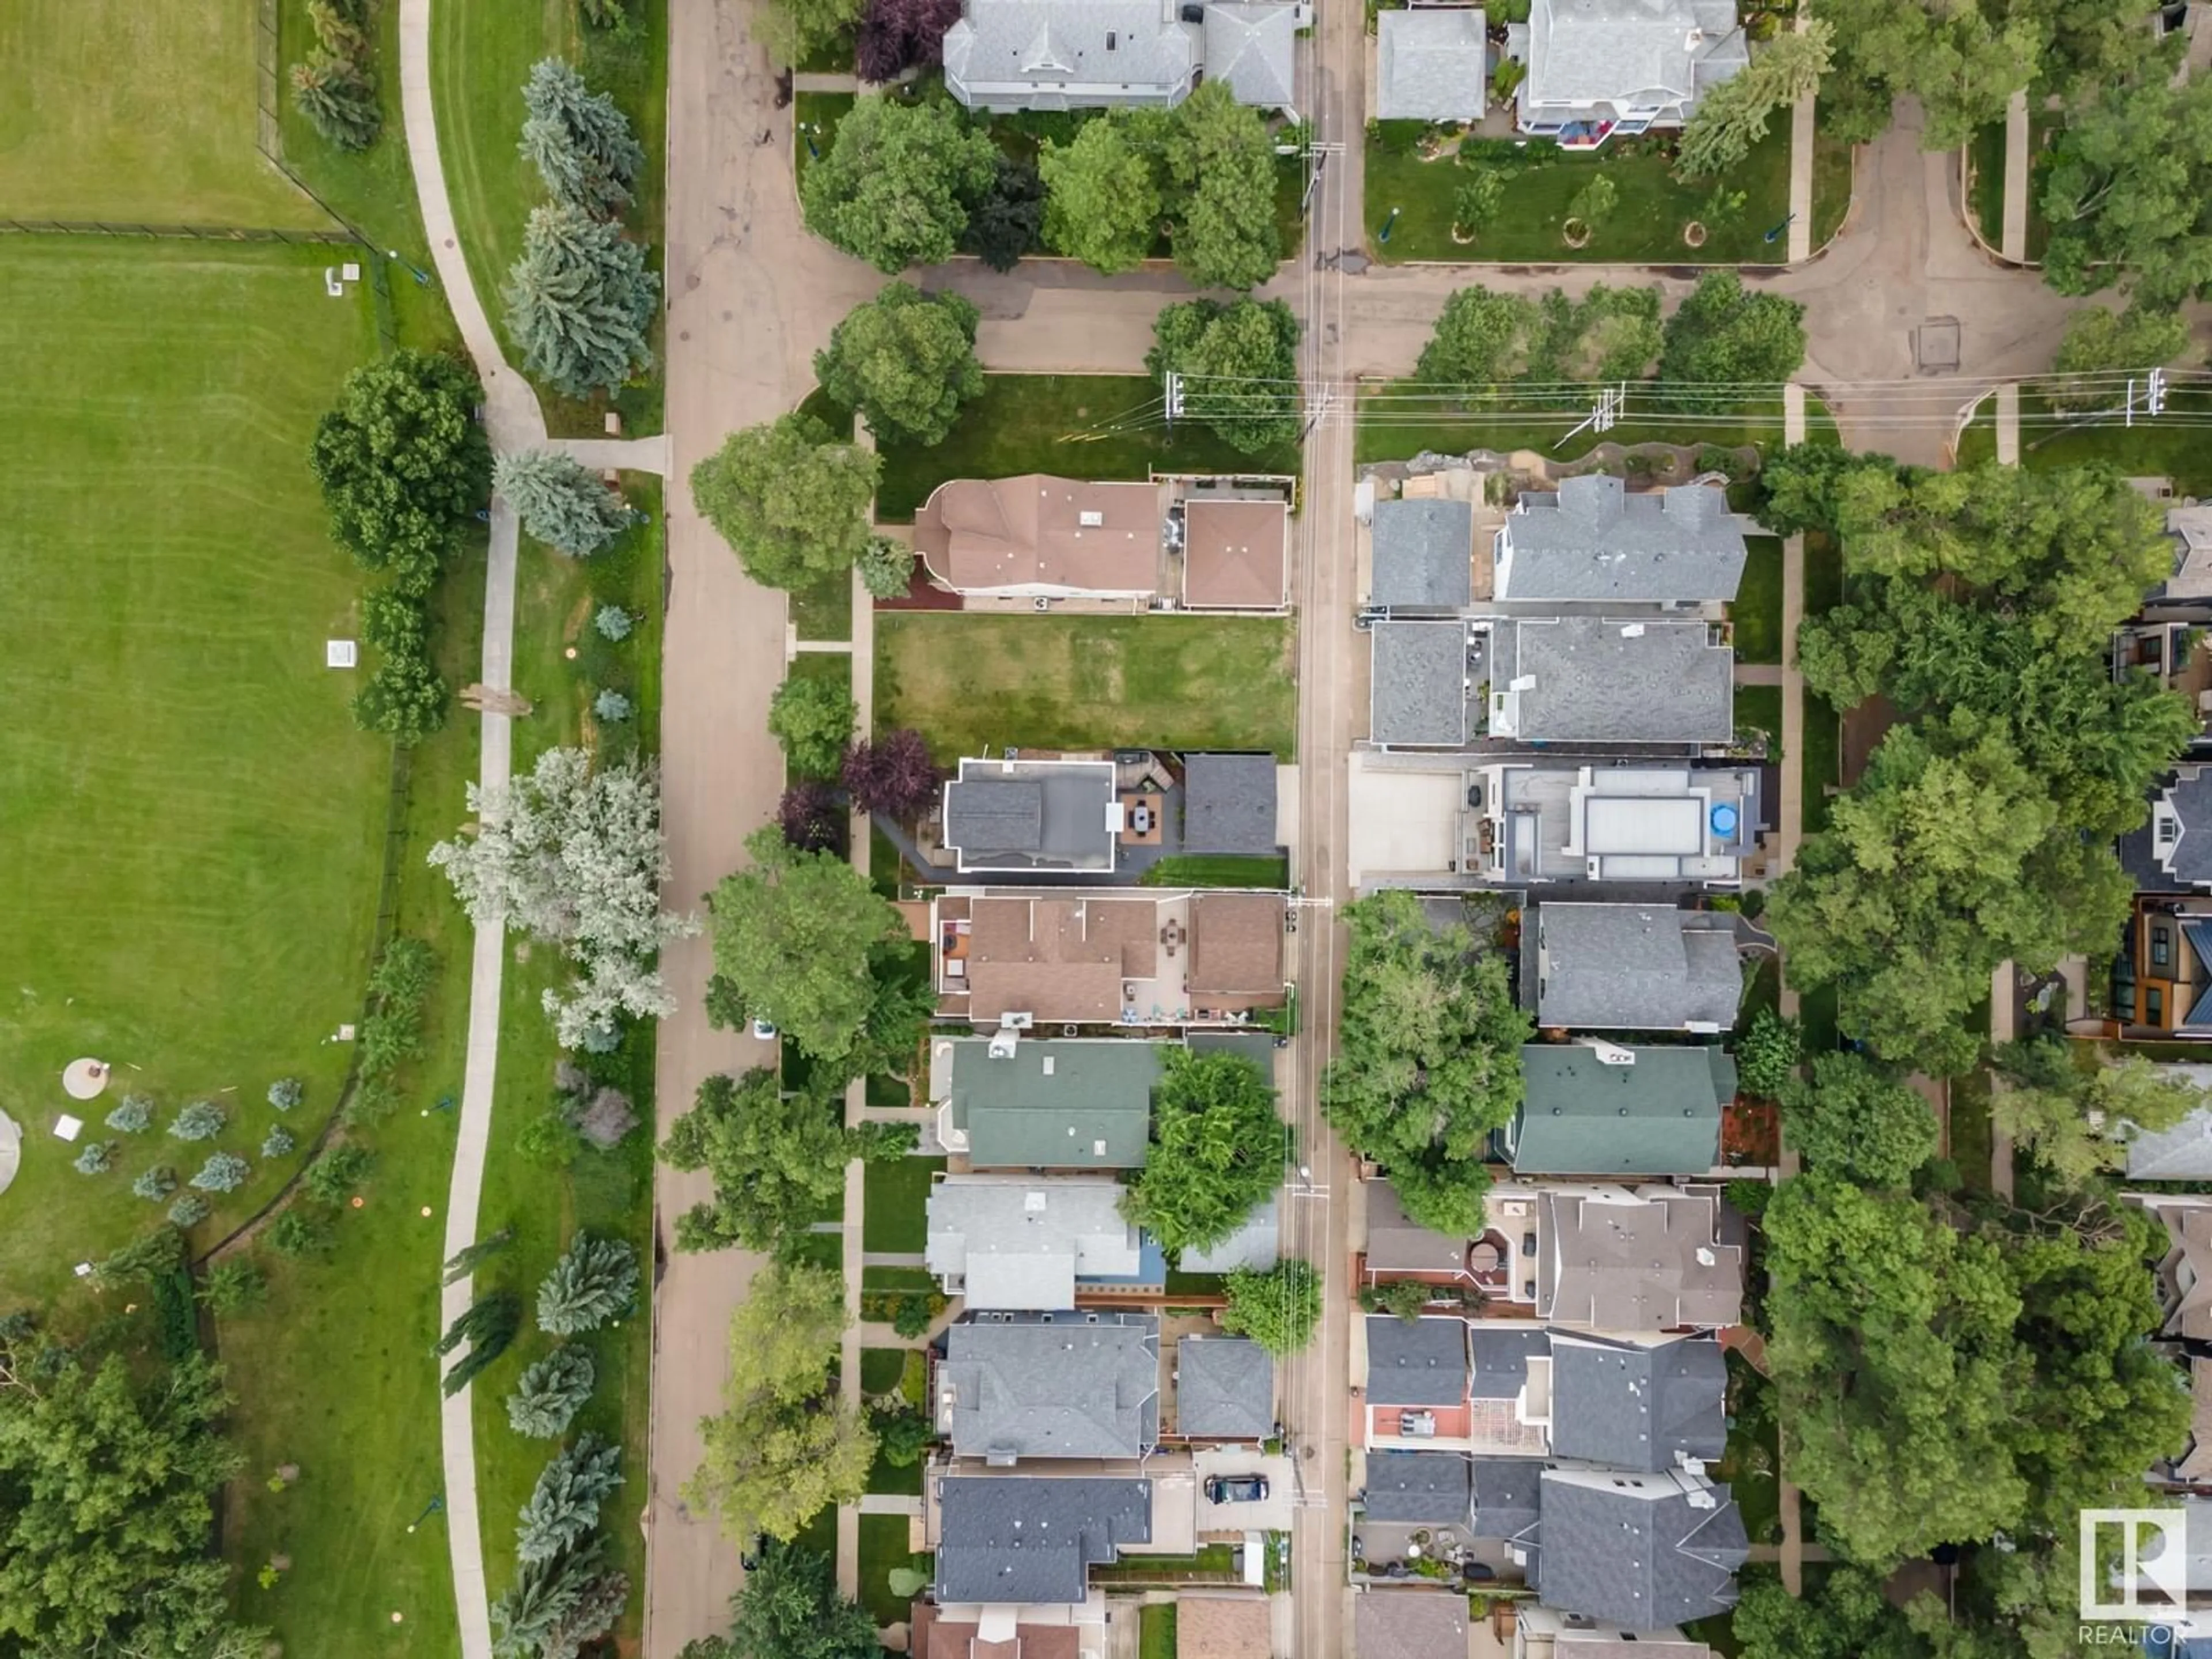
560	501
580	301
564	1505
594	1280
548	1394
579	142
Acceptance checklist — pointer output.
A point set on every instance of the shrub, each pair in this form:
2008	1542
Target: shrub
1748	1198
812	817
201	1121
332	1177
132	1116
613	623
223	1172
1767	1053
156	1184
912	1317
190	1211
886	567
609	707
338	101
902	1434
594	1281
812	720
278	1142
549	1141
551	1392
299	1232
95	1158
234	1287
607	1119
286	1092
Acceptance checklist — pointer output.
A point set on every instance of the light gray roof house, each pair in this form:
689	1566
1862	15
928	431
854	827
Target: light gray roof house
1421	1362
1428	1488
1610	680
1421	692
1652	1260
1423	551
1253	45
1256	1243
1431	64
1638	62
1225	1389
1502	1350
1228	804
1658	1114
1041	1385
1592	540
1508	1497
1409	1625
1643	1551
1071	54
1018	815
1629	1406
1397	1245
1011	1102
1630	967
1017	1539
1019	1243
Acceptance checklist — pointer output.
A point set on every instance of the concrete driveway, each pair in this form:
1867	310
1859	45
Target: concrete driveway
1272	1513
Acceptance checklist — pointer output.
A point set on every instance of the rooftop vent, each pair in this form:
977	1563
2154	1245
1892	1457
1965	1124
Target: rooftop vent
1090	517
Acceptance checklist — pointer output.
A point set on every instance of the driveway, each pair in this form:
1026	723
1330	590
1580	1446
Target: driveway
1274	1513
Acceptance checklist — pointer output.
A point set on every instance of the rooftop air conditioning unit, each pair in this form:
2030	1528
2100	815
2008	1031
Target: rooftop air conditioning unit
1047	1065
1515	1207
1632	631
1612	1054
1017	1021
1090	517
1002	1044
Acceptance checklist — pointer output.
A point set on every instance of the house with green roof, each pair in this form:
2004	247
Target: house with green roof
1008	1102
1598	1108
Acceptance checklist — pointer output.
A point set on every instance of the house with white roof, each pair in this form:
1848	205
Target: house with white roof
1602	68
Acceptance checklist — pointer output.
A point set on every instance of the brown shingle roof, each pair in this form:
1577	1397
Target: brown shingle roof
981	534
1236	944
1222	1627
1061	959
1235	552
931	1637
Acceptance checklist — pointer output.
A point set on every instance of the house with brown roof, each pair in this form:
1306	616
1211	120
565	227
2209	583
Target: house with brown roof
1236	554
933	1636
1040	536
1221	1626
2184	1274
1120	956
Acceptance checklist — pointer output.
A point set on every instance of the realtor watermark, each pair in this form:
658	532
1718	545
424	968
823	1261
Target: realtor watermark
2147	1584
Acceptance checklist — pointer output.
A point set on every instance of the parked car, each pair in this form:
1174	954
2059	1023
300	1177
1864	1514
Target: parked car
1237	1489
763	1029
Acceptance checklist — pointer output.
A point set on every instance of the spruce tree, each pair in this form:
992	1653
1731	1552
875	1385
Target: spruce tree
580	301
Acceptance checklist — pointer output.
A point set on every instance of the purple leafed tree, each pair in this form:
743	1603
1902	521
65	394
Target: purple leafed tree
893	775
812	819
896	35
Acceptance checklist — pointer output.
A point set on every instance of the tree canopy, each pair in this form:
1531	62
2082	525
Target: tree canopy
906	360
789	1609
1962	62
1239	368
1732	117
1484	338
560	501
2129	193
777	1158
1725	336
1102	189
795	30
580	143
2071	1112
404	465
1279	1309
1858	1119
1429	1057
1218	1149
2101	346
580	301
791	499
1222	163
812	720
895	185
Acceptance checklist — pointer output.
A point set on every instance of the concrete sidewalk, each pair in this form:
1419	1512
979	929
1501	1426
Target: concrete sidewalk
2013	243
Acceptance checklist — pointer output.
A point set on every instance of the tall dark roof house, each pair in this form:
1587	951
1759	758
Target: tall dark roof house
1598	1109
1591	541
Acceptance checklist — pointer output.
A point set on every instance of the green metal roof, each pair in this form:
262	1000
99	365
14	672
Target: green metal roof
1661	1115
1081	1105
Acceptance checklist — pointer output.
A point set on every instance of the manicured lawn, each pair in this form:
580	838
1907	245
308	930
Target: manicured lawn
896	1279
192	838
895	1220
968	679
139	110
881	1370
1824	574
2178	448
1218	869
1985	192
1156	1632
1399	420
883	1546
824	612
481	56
1080	426
1831	186
1757	610
1760	706
1165	1569
1645	227
1820	766
815	116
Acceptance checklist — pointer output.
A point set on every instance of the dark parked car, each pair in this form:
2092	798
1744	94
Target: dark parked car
1237	1489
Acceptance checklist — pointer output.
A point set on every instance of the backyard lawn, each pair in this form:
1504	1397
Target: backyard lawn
966	680
1080	426
1156	1632
1757	610
1645	227
1759	708
1218	869
144	111
884	1547
193	841
896	1221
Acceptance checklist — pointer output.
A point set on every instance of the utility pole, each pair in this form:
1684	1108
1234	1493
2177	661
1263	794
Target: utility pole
1610	405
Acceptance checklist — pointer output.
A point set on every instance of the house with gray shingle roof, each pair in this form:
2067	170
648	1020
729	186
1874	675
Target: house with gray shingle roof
1618	1111
1419	1487
1009	1103
1630	967
1014	1386
1645	1552
1225	1389
1421	552
1613	680
1508	1498
1419	1362
1590	540
1422	694
1023	816
1431	65
1012	55
1600	67
1253	47
1021	1243
1228	804
1629	1406
2183	1152
1032	1539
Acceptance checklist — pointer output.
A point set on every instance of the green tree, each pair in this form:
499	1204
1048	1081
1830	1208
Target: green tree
580	301
777	1159
792	502
796	30
906	360
1477	203
1481	336
2101	346
1859	1119
338	98
2073	1119
579	142
565	1503
1279	1309
796	940
2126	192
1222	163
403	463
595	1280
107	1480
1963	63
1845	1617
1732	118
784	1446
1238	365
1429	1057
557	1607
1103	190
464	1262
902	1434
1218	1149
886	567
894	188
560	501
232	1287
1722	335
812	720
1767	1053
789	1609
1007	219
1593	205
549	1393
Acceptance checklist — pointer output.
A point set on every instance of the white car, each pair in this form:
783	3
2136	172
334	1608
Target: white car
764	1030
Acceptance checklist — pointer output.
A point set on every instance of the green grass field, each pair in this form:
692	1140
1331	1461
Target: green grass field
883	1546
1760	706
1756	609
191	852
2179	449
1156	1632
1080	426
895	1219
1218	869
965	679
141	112
1399	419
